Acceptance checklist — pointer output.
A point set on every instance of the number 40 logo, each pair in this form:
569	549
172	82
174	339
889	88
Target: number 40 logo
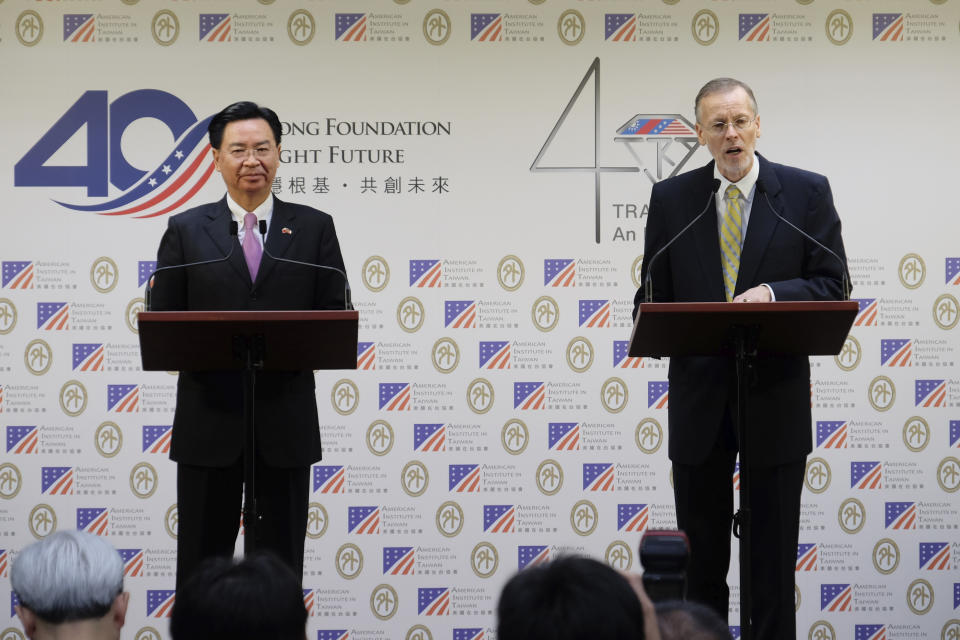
102	124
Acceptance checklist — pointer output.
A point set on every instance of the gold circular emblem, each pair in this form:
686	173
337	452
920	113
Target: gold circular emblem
817	475
104	274
349	561
510	273
851	515
821	630
670	1
946	311
376	273
436	26
850	354
266	1
804	1
108	439
410	314
38	356
619	555
401	1
143	480
549	477
614	395
920	596
300	27
147	633
449	519
165	27
584	517
8	316
171	521
384	602
514	436
579	354
345	397
951	630
635	269
796	598
480	395
916	434
571	27
10	633
545	313
317	521
938	1
648	435
417	631
415	478
134	307
839	27
705	27
29	28
73	398
43	521
534	1
380	437
445	355
886	556
912	271
882	393
10	481
948	474
484	560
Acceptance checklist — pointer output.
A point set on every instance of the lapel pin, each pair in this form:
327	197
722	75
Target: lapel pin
287	230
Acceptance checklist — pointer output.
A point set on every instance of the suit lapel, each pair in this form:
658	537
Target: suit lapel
279	237
760	228
706	235
218	228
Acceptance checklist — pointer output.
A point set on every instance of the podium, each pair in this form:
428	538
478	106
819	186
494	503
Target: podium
746	332
248	341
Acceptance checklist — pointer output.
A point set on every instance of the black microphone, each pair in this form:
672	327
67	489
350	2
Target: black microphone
346	282
648	282
148	293
762	188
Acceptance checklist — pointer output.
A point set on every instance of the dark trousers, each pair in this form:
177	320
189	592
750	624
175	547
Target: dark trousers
209	507
704	503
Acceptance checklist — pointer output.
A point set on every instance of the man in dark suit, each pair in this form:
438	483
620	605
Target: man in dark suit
207	435
739	251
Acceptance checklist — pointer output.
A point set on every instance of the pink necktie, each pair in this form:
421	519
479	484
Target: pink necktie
251	244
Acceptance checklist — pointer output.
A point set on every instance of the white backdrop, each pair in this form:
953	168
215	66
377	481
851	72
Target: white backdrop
526	433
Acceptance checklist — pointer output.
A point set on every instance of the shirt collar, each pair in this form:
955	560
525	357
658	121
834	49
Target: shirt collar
263	211
745	184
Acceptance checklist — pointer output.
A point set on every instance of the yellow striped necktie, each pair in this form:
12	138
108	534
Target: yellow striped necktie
731	239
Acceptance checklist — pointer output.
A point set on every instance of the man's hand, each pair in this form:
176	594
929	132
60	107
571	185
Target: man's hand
756	294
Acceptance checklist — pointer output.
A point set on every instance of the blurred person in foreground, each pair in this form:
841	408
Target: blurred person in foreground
70	586
250	599
574	598
685	620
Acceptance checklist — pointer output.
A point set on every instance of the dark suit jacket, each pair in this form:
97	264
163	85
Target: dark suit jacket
207	425
689	271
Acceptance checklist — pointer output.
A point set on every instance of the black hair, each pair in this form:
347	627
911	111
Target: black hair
257	597
244	110
683	619
571	598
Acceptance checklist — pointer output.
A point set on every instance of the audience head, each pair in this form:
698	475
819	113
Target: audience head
70	579
225	599
571	598
684	620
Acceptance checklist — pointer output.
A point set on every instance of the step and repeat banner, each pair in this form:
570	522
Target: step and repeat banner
488	166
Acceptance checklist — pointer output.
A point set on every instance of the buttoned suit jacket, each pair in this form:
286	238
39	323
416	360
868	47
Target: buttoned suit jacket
207	425
703	388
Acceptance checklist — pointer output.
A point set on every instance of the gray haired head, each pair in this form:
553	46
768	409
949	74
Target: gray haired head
722	85
68	576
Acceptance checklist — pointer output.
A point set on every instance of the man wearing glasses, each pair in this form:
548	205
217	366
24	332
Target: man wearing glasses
740	251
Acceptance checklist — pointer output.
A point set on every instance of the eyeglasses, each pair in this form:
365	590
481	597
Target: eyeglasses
740	124
242	153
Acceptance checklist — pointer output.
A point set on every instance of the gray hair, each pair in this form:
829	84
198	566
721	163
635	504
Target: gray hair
69	575
722	85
